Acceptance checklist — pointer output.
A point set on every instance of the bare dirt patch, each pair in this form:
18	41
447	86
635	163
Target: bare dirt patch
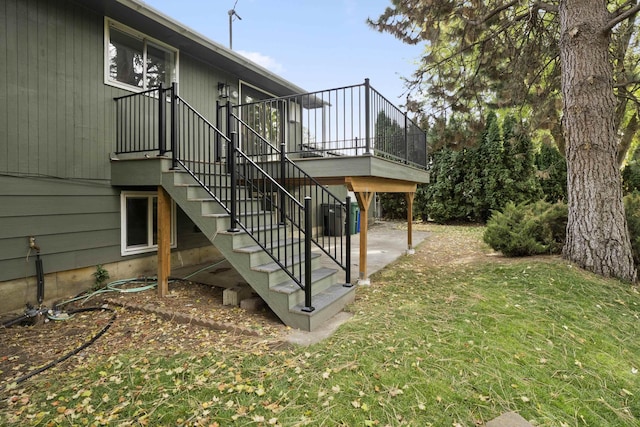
192	319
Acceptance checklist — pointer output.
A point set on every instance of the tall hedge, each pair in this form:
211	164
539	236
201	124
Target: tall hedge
468	184
551	172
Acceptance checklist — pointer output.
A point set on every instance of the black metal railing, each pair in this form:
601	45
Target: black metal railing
139	119
348	121
295	182
257	192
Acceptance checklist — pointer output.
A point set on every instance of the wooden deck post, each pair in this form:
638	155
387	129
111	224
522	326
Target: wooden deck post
164	241
365	188
364	201
410	197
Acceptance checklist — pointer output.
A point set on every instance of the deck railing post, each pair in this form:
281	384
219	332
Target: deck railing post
174	125
307	255
283	177
367	116
426	154
347	253
218	124
230	154
119	147
231	167
162	121
406	138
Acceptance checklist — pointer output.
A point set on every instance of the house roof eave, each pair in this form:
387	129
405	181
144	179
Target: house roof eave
148	20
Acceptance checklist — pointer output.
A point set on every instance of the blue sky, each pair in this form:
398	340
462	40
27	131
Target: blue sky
315	44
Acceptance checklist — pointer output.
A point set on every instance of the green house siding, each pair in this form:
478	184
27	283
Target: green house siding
57	115
199	85
57	131
76	224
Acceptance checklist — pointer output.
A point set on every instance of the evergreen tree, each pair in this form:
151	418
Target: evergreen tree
581	53
487	174
552	173
446	199
631	174
521	184
389	136
390	142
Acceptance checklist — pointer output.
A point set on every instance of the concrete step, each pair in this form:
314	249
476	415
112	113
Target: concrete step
223	220
321	279
326	304
211	206
216	171
277	275
285	247
266	234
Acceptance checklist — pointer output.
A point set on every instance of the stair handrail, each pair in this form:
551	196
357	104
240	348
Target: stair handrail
290	171
193	167
196	147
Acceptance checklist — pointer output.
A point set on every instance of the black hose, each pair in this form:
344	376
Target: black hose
15	320
40	278
79	349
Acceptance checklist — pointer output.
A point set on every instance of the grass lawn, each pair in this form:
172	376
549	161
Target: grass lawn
443	339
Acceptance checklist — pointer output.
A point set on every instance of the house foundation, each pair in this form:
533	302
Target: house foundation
62	285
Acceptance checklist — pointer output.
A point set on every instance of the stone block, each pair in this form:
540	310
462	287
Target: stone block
252	304
509	419
234	295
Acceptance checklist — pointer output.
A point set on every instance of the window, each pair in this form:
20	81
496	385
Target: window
139	222
264	117
136	62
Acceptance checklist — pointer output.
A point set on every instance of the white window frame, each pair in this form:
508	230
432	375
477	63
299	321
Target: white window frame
241	101
108	23
242	83
149	247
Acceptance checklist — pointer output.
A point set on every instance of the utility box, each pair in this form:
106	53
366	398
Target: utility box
332	219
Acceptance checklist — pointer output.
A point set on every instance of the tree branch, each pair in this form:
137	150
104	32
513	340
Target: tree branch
621	16
545	6
624	6
627	136
494	12
626	83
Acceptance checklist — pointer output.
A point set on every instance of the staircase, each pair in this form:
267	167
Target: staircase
266	277
244	202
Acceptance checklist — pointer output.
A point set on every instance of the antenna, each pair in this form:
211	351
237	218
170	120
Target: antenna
232	13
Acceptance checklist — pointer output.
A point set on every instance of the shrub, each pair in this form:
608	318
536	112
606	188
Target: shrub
101	275
527	229
393	205
631	177
538	228
448	198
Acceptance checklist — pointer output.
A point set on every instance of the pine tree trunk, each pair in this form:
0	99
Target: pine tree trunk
597	235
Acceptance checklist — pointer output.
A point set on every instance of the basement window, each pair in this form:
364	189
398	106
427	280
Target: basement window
135	61
139	222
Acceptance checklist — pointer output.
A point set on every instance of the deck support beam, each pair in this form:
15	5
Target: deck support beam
410	197
364	188
364	201
164	241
